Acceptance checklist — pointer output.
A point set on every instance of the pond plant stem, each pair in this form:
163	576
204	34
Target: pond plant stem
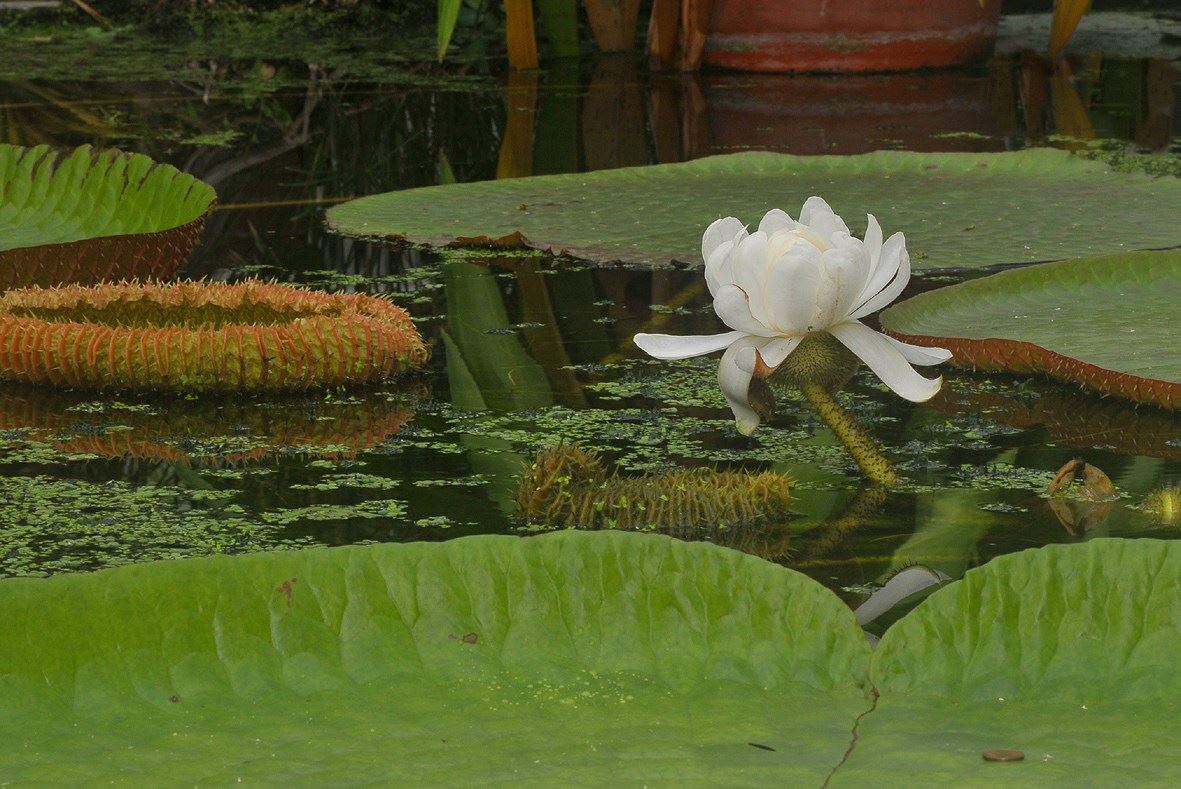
862	448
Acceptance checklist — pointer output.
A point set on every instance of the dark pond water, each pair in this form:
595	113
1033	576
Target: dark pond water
527	350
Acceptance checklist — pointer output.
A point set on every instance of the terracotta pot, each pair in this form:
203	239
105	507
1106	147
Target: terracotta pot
849	35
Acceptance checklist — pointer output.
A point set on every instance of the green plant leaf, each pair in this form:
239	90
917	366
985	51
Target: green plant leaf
577	658
1067	653
1108	324
570	658
560	18
957	209
448	18
87	216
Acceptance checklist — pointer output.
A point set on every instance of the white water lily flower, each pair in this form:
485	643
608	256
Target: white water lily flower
793	278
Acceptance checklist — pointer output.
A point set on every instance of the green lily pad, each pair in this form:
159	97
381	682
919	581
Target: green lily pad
1067	654
957	209
579	658
567	659
1108	324
88	216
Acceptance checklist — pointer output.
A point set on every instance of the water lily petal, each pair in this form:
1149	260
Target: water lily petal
776	219
901	277
791	289
718	272
776	352
735	381
843	276
819	216
749	262
747	358
921	355
675	346
886	361
732	306
885	269
873	240
719	232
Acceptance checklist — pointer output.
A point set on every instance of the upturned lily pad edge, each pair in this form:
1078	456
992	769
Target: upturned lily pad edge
996	355
949	590
156	255
1006	355
150	254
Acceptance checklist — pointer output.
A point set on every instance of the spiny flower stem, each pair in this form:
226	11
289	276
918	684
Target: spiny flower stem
862	448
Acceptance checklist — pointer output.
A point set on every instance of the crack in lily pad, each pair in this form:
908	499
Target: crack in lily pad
1107	324
958	210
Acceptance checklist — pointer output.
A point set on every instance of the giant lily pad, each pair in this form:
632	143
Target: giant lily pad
579	658
1063	653
957	209
1108	324
564	659
85	217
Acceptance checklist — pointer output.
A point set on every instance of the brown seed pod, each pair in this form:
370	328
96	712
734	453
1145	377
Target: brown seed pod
569	487
819	360
202	336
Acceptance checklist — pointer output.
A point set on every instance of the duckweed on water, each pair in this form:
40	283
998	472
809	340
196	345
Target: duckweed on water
53	525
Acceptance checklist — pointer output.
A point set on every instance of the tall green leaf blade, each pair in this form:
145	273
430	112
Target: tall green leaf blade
560	19
957	210
570	658
448	17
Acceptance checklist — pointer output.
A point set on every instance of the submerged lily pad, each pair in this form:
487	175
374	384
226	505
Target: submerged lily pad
957	209
1108	324
582	658
87	216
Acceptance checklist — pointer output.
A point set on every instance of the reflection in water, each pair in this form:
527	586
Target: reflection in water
207	432
279	155
1082	99
1083	507
814	114
1070	417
